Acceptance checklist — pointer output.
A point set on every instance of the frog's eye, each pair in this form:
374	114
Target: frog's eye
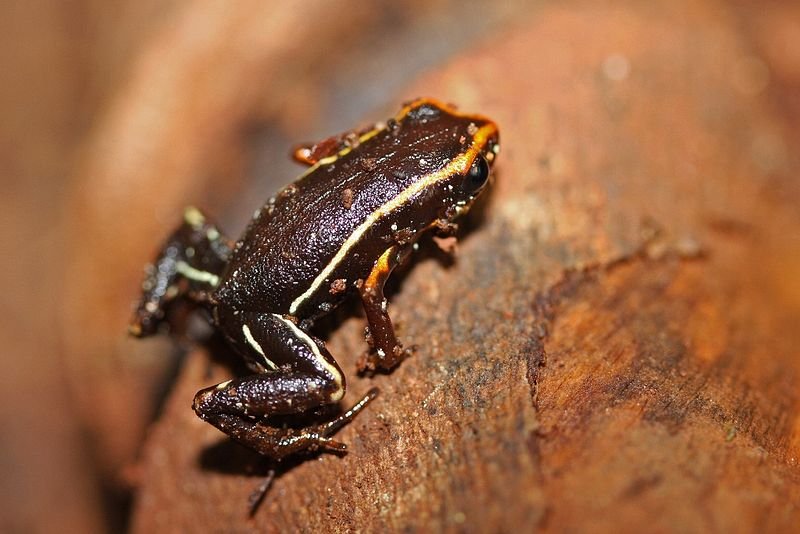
477	175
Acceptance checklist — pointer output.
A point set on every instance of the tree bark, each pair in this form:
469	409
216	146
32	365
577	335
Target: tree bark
614	346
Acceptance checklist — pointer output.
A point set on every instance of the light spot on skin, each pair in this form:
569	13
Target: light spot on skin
347	198
223	385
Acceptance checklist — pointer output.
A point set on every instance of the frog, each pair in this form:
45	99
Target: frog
341	228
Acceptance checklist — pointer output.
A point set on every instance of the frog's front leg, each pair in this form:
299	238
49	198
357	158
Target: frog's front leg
386	351
298	375
312	153
188	265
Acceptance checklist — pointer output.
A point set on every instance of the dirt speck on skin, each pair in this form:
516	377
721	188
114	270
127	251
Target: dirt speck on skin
338	286
368	163
347	198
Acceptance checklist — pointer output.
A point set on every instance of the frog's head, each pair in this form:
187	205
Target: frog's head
474	173
456	149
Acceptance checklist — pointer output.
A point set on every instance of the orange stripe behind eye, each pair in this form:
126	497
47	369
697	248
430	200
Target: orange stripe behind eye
382	267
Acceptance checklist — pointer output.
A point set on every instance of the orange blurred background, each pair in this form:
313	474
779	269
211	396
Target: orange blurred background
117	113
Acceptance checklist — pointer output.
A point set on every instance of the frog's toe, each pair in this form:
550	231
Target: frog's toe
330	445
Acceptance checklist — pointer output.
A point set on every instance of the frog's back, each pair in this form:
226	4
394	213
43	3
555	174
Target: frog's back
319	235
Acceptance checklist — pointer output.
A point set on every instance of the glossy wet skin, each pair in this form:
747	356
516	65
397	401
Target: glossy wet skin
339	229
296	236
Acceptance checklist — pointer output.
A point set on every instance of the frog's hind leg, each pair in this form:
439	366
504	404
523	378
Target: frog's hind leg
272	441
298	375
188	265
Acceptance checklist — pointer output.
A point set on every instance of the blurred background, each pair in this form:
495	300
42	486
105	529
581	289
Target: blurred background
115	114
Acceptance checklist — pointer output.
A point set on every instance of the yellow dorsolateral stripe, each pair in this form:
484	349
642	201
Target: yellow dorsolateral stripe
399	117
459	165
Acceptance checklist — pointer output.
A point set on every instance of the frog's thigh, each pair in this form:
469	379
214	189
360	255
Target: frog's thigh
298	372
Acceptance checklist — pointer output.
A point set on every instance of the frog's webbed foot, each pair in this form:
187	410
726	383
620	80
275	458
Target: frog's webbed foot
188	265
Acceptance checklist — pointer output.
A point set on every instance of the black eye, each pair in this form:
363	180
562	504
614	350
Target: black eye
477	175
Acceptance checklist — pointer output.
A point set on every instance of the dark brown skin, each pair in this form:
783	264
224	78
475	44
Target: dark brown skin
341	228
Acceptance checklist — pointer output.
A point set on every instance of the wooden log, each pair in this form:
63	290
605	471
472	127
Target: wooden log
615	346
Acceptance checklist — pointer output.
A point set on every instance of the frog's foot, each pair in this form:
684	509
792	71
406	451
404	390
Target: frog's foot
377	359
188	265
273	442
332	427
324	431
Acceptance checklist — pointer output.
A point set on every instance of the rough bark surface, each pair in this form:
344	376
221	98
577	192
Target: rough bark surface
616	342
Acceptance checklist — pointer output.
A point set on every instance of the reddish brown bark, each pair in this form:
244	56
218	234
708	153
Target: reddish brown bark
616	343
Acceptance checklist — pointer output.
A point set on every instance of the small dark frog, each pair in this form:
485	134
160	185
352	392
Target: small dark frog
341	228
